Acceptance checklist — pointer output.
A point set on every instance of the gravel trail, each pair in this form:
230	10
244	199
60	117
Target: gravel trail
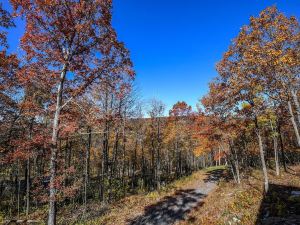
177	207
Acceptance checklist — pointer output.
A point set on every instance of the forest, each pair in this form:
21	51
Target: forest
74	131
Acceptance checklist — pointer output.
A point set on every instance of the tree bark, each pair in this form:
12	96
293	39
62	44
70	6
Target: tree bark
219	156
294	123
275	145
158	156
276	155
19	189
295	99
262	156
282	147
54	139
87	166
28	171
27	186
236	161
233	173
231	165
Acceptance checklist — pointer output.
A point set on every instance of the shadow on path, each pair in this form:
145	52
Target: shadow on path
171	208
280	206
215	175
177	207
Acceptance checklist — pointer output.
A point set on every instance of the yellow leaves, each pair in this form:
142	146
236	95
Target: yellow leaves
246	105
289	60
273	52
258	101
199	150
267	118
262	120
203	147
262	47
270	114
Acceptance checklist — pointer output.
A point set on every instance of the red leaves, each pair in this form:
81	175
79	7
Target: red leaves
219	156
68	128
6	22
8	67
67	191
180	109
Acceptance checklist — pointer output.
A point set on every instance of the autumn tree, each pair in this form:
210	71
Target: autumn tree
257	74
156	112
72	40
179	133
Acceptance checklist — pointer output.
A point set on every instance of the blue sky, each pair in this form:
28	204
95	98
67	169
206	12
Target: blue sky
175	44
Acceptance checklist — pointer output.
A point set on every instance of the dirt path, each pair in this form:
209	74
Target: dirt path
170	205
175	208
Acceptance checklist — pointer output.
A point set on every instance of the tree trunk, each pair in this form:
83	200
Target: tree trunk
236	161
294	123
282	147
231	166
262	156
153	162
219	156
28	171
134	165
233	173
275	144
237	168
158	156
124	156
276	155
87	166
295	99
27	186
19	189
53	159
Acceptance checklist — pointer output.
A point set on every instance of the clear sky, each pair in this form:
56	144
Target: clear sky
175	44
